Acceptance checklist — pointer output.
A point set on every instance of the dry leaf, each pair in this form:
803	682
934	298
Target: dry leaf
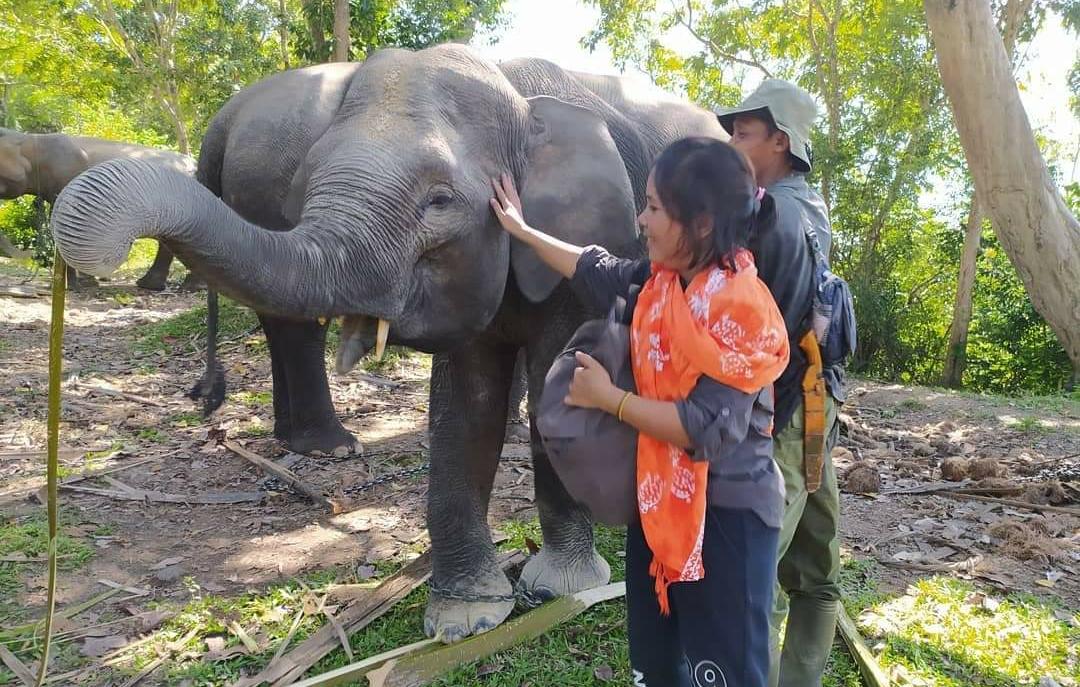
365	572
99	646
604	672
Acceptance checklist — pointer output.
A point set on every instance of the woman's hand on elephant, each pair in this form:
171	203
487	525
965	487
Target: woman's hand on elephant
592	386
507	205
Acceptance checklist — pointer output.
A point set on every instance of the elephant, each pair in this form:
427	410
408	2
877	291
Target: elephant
381	172
661	117
42	164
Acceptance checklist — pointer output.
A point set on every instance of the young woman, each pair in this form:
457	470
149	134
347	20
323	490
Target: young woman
707	341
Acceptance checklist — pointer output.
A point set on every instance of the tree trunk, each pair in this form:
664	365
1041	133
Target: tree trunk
283	32
828	77
315	28
956	353
1012	183
341	31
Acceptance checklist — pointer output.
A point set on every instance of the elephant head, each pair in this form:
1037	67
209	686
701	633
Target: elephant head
14	166
395	222
39	164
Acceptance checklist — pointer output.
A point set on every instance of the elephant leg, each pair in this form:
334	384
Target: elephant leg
517	427
192	282
282	412
158	274
568	561
304	415
77	281
467	414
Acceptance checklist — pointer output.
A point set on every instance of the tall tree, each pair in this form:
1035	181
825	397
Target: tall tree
1013	17
1012	182
341	31
374	24
160	24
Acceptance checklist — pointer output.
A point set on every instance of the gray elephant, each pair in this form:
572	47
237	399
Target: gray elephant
42	164
382	172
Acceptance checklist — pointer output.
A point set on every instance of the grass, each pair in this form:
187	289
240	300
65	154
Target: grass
186	332
571	654
941	632
1029	424
29	536
913	404
152	434
189	418
252	399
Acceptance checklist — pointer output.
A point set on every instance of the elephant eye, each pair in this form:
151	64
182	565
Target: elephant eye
440	200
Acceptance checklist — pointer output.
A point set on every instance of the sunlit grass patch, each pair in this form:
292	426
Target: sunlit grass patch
186	332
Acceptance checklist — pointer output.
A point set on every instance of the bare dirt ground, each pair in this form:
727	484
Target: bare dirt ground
133	407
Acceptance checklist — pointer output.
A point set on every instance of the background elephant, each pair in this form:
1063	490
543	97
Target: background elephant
42	164
383	171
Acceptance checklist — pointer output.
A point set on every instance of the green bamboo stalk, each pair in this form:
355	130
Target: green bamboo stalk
56	346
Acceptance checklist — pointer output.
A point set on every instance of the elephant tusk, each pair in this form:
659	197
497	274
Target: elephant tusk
380	338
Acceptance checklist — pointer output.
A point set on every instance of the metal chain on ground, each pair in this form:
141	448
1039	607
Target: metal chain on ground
521	596
387	478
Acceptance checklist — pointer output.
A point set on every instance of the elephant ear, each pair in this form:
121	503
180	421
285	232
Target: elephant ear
13	164
576	188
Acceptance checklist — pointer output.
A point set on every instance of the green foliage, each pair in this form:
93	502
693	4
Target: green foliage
29	537
186	332
22	220
1011	349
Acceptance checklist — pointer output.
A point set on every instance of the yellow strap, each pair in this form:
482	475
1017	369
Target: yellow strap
813	386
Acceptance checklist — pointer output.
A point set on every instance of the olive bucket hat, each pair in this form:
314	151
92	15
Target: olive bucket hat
792	110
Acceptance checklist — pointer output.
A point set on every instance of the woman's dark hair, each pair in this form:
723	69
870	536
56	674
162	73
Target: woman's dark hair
708	187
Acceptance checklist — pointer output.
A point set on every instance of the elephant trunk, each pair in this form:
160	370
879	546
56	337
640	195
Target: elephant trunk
295	273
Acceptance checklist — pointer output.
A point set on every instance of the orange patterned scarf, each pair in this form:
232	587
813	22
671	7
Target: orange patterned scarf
726	326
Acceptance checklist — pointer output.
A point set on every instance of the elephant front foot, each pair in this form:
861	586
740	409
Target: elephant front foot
151	282
469	607
329	441
82	282
551	573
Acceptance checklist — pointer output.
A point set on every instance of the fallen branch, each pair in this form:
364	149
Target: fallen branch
67	613
354	671
164	657
24	559
1015	503
868	665
16	666
22	291
288	668
930	488
133	494
92	474
126	396
62	453
419	669
967	565
286	475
